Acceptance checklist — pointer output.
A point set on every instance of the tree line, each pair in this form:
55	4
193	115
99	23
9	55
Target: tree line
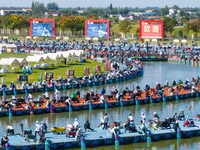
72	23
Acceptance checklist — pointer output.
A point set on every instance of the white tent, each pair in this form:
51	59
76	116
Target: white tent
7	48
77	52
8	62
65	54
35	58
22	61
53	56
45	56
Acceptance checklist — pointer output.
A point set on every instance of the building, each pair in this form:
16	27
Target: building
4	12
54	14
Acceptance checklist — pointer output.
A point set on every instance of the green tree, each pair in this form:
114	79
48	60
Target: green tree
124	26
38	9
169	24
52	6
193	25
164	11
111	7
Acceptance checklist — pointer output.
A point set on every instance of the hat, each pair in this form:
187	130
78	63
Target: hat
154	113
75	119
36	121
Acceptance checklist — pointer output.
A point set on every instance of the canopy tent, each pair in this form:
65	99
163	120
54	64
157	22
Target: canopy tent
45	56
8	48
35	58
64	54
77	52
8	62
22	61
53	56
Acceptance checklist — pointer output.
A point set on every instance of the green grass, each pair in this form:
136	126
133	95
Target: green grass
15	55
59	70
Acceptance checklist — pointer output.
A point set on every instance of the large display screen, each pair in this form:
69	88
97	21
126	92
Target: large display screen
42	29
97	30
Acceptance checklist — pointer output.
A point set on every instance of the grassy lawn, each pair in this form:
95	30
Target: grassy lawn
59	70
6	55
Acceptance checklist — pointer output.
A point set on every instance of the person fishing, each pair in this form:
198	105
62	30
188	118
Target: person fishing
87	126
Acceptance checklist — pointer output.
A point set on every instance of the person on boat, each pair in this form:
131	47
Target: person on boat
12	85
181	115
30	97
102	99
46	95
78	93
143	117
166	83
142	126
147	87
175	117
176	126
155	117
87	126
92	95
68	101
79	134
42	137
57	95
130	118
87	97
10	130
4	140
43	127
37	128
106	120
174	83
158	86
171	90
76	124
101	121
118	96
103	91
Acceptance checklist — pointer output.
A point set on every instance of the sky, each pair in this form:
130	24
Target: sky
105	3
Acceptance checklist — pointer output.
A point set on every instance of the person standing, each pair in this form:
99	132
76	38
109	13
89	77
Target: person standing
106	120
37	128
76	124
143	117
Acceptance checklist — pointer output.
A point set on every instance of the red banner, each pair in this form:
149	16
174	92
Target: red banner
151	29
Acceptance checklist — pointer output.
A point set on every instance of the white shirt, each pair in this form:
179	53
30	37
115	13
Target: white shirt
102	99
30	96
143	116
9	127
47	94
76	124
130	117
37	128
106	119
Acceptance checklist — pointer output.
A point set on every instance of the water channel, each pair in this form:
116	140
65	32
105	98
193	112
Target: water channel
153	72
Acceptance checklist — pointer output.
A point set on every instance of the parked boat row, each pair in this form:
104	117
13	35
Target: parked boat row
100	137
92	100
